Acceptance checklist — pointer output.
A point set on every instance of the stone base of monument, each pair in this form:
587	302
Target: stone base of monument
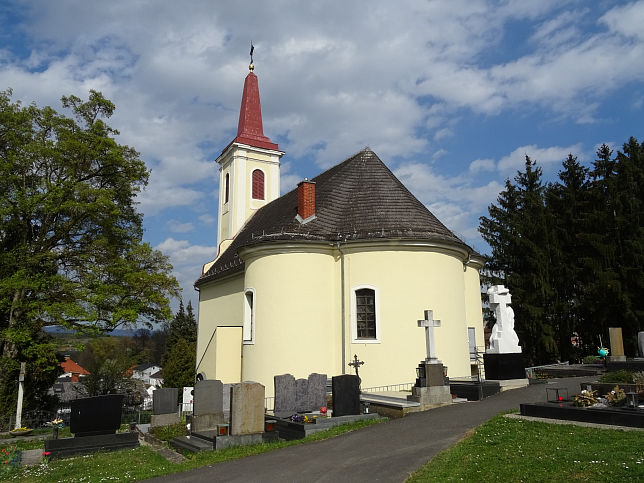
633	418
289	430
210	440
430	396
616	359
504	366
474	390
164	419
205	422
59	448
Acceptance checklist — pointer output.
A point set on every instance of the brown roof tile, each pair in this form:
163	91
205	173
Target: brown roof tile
358	199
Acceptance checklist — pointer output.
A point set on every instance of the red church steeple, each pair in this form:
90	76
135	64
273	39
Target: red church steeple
249	129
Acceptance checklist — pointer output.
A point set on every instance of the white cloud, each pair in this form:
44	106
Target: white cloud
179	227
543	156
207	219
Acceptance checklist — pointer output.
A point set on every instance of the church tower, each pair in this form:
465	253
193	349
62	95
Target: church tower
249	174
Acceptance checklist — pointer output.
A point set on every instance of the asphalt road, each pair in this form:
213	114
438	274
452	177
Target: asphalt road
390	451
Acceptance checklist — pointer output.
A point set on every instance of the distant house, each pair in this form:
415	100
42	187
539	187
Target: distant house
142	372
156	379
72	371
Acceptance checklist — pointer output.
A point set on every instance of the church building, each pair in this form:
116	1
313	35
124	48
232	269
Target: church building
343	265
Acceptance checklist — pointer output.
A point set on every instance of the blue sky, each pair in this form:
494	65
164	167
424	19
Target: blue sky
450	94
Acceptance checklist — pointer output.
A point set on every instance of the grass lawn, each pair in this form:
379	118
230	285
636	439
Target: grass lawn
143	462
506	449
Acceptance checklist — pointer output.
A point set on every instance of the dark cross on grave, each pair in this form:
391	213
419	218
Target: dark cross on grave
429	323
356	364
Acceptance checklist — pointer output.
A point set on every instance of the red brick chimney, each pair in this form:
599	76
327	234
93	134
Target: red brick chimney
306	199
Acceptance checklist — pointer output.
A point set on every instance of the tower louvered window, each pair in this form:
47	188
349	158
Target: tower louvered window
227	188
258	184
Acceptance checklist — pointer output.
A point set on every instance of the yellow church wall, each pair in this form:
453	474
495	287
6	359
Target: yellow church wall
228	353
408	280
296	313
473	308
220	304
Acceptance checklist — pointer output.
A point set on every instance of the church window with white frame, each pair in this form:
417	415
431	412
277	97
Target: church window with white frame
364	314
248	329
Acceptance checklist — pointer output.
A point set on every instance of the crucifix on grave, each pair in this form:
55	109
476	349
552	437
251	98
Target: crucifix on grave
429	323
356	364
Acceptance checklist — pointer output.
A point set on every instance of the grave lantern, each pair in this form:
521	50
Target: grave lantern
632	400
269	425
556	394
222	429
366	407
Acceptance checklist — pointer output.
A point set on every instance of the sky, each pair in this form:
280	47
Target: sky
451	94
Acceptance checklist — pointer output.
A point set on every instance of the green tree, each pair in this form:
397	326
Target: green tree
179	368
71	249
179	360
568	204
518	231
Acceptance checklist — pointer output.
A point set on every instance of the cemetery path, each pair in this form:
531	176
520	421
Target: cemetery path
390	451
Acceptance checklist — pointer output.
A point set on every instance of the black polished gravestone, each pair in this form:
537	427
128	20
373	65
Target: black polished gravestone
346	395
164	401
94	422
96	415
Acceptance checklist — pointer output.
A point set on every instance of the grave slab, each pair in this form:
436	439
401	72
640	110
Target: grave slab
285	394
317	391
247	409
302	396
346	395
96	415
164	400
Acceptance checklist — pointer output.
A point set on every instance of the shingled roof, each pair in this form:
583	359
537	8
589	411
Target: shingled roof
358	199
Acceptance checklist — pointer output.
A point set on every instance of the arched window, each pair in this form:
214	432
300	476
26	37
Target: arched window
365	313
226	187
248	330
258	184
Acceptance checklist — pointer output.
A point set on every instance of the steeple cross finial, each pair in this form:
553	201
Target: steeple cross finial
252	49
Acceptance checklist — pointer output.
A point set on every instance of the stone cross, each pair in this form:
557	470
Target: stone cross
429	323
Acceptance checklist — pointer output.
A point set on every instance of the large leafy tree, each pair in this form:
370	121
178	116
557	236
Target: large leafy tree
71	249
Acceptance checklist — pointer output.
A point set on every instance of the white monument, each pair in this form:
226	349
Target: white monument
504	339
429	323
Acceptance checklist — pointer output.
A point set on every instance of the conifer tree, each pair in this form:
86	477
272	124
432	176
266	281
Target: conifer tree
567	203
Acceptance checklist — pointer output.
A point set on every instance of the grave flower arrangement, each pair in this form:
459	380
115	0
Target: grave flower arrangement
617	397
56	424
585	399
302	418
20	431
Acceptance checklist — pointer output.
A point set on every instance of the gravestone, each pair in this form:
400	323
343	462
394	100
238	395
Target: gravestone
302	396
208	405
96	415
317	391
640	342
616	344
164	401
94	422
164	407
247	408
285	395
227	388
346	395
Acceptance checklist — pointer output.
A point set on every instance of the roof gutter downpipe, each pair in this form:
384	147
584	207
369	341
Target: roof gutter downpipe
342	304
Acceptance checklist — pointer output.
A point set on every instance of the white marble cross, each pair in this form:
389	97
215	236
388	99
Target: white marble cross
429	323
